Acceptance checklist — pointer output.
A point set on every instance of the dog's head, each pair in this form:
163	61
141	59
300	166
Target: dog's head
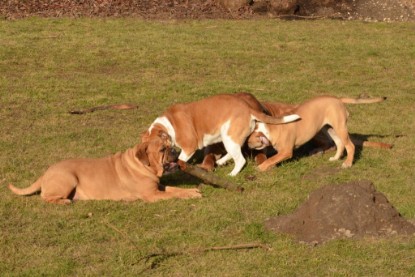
156	130
257	140
157	153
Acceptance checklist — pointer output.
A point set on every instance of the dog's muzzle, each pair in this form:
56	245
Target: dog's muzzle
264	140
170	161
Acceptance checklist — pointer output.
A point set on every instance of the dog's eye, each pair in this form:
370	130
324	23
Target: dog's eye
163	149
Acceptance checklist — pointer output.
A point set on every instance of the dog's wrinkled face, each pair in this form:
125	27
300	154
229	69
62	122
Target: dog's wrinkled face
158	154
257	140
156	131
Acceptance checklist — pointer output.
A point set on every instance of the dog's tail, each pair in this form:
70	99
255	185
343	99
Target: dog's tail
35	187
274	120
346	100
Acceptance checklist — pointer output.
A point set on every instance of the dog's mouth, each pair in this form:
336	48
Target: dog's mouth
170	167
264	141
259	142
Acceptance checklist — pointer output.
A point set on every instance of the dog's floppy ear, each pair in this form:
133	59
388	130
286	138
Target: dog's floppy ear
141	153
145	136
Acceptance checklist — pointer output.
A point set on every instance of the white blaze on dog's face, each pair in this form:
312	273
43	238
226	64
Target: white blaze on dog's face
160	124
259	139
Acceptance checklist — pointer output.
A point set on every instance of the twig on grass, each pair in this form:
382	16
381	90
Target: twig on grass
305	17
125	235
160	257
105	107
164	255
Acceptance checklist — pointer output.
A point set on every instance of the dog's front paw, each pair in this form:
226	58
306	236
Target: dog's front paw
224	159
263	167
193	193
260	158
207	167
182	165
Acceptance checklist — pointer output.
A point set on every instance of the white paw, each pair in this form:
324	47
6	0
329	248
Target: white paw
345	165
235	171
221	162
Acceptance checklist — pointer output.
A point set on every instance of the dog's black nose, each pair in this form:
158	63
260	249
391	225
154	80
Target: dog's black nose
173	154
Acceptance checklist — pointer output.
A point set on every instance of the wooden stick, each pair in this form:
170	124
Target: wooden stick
305	17
165	255
208	177
106	107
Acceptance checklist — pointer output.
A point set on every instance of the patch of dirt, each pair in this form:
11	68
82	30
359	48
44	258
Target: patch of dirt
146	9
321	172
350	210
369	10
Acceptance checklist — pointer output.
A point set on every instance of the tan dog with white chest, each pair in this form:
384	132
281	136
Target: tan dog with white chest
221	118
131	175
324	113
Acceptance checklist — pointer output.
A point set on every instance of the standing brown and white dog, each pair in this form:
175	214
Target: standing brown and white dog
221	118
321	140
324	113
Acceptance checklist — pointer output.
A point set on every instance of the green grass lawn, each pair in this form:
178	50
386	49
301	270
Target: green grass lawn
51	66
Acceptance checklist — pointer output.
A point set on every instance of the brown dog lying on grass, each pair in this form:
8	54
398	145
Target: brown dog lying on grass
131	175
323	113
279	109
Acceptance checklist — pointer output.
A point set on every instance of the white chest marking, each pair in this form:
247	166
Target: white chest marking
162	120
262	127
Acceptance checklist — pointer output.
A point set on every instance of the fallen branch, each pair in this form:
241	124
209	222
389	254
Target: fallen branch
209	178
305	17
165	255
105	107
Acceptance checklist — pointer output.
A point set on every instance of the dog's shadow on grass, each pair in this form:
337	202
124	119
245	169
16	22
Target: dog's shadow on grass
311	148
306	150
179	177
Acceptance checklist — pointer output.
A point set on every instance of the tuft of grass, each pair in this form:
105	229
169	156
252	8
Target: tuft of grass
51	66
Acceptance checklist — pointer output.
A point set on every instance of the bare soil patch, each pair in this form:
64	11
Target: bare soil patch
350	210
369	10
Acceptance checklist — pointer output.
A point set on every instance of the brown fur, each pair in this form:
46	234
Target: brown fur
223	117
131	175
279	109
316	114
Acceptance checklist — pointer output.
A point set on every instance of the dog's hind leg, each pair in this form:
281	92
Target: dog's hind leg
339	145
58	187
350	148
342	140
234	151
